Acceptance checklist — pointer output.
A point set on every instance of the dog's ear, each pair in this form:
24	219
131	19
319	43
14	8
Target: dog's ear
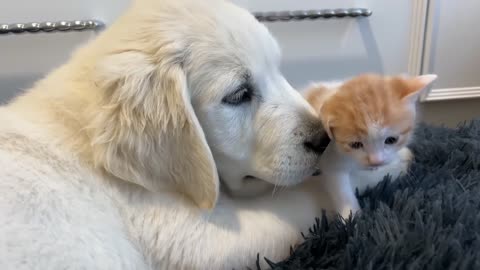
145	130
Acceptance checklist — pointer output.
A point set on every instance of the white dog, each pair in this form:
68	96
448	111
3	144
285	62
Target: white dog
113	160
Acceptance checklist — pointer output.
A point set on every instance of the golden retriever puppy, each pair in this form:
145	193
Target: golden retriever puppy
113	160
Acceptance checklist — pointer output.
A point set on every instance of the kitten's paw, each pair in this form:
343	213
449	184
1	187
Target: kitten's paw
348	210
406	157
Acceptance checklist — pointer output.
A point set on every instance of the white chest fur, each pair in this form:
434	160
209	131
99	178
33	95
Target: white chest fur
341	176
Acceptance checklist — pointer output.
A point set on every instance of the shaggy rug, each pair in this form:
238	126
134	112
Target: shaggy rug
428	219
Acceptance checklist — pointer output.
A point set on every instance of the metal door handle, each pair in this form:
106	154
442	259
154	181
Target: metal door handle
285	16
63	26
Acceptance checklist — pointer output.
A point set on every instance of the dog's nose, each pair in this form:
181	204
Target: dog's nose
317	144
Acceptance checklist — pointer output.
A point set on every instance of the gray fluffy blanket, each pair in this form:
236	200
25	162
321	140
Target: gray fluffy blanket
428	219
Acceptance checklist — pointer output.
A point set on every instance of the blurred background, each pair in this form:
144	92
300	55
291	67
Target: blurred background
399	37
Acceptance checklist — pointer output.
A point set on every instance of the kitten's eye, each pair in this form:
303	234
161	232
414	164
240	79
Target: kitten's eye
242	95
391	140
356	145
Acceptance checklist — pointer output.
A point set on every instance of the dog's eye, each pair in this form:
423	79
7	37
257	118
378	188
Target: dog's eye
242	95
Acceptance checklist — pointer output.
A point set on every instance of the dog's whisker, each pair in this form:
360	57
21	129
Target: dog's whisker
274	189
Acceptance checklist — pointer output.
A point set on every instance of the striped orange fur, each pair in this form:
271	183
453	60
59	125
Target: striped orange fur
366	104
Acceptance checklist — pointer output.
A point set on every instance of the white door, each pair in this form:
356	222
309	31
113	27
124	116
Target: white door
325	49
24	58
321	49
452	49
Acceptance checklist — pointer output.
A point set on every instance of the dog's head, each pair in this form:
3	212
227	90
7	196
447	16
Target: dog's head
191	91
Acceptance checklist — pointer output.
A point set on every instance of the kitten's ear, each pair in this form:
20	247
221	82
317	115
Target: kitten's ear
416	85
327	123
315	96
329	129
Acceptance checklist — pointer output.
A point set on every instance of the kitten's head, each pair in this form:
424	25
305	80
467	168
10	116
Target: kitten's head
370	117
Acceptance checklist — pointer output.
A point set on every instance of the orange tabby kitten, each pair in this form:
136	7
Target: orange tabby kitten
370	119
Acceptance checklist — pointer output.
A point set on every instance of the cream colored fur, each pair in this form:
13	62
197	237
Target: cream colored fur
113	160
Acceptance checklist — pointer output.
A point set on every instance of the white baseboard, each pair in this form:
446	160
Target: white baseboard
452	93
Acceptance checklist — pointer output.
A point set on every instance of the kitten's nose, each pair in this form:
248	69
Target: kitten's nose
318	143
376	160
